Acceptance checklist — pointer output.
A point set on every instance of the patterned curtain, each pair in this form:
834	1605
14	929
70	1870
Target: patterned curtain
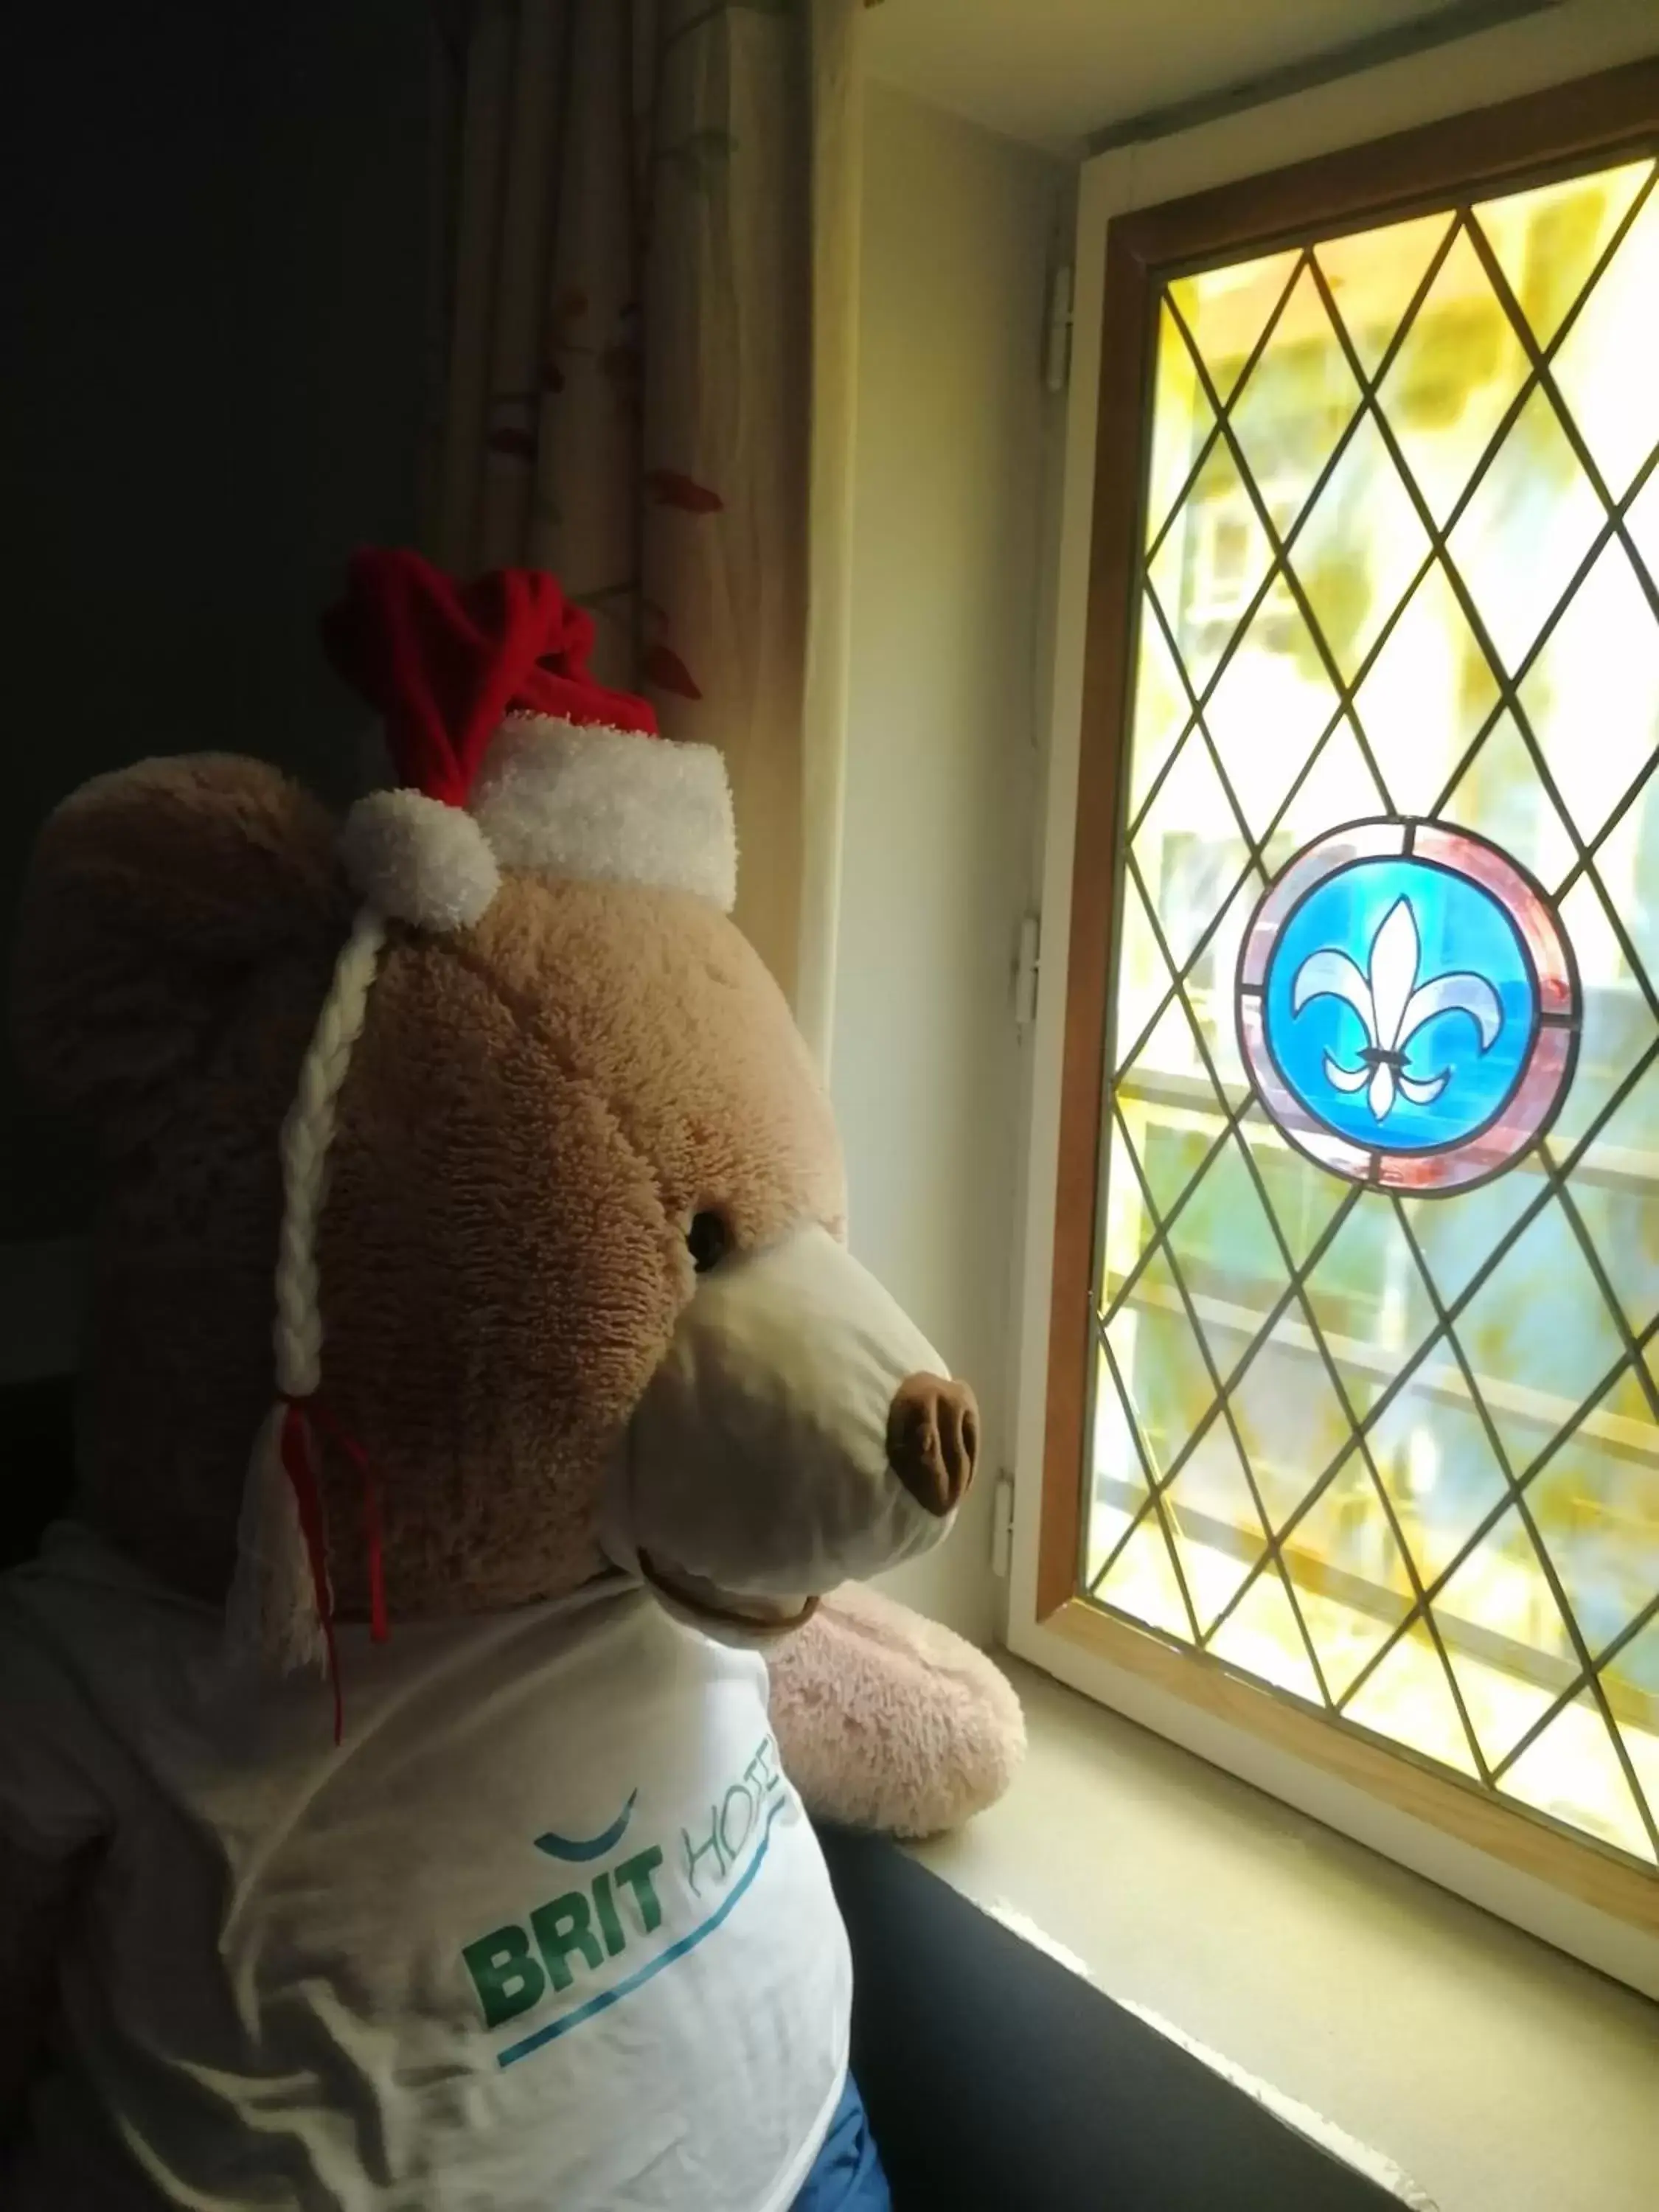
646	377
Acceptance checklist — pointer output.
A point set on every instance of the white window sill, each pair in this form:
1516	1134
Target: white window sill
1499	2074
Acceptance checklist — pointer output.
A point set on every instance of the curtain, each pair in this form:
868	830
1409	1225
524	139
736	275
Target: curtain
645	376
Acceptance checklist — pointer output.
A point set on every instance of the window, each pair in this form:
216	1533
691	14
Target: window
1359	1177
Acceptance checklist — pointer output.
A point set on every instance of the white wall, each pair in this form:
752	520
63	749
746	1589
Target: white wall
953	426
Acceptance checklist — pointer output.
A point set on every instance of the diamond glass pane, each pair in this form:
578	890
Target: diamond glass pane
1368	1297
1225	312
1457	1236
1630	1682
1501	794
1217	1530
1453	380
1189	850
1619	1208
1531	520
1622	863
1338	786
1260	1635
1619	1028
1302	1200
1142	1581
1428	693
1604	370
1117	1492
1299	398
1375	275
1592	694
1289	1417
1435	1396
1540	1336
1596	1506
1132	1228
1573	1772
1168	1063
1226	1213
1208	982
1359	548
1213	560
1145	983
1549	241
1184	427
1409	1699
1435	1461
1352	1584
1642	519
1271	707
1162	710
1171	1144
1161	1365
1505	1636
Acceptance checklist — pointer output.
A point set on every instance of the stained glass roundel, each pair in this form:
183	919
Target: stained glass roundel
1407	1006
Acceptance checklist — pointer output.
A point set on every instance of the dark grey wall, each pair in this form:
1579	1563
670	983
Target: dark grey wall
213	296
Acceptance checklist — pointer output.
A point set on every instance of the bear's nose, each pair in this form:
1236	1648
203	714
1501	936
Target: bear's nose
932	1440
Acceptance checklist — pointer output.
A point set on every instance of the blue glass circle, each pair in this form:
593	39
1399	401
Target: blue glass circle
1399	1005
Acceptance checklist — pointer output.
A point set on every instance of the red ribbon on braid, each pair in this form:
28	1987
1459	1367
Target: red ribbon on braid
302	1419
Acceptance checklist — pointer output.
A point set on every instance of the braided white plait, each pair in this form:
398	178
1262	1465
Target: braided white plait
308	1135
271	1615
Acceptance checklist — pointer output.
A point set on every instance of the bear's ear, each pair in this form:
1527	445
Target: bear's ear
153	897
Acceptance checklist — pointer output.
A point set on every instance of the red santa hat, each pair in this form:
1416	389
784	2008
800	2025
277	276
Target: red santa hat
507	754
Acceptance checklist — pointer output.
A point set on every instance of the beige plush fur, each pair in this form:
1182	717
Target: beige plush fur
886	1721
536	1109
179	926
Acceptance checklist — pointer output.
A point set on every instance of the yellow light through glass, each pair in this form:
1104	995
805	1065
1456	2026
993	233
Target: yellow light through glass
1389	477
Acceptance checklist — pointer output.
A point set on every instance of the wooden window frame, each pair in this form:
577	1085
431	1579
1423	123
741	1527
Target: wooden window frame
1479	153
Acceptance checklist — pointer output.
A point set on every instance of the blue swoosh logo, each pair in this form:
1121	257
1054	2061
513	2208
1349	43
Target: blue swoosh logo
589	1847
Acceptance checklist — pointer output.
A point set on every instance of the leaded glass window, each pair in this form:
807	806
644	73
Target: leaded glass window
1374	1416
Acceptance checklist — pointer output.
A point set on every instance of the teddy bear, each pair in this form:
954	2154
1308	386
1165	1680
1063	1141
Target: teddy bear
395	1808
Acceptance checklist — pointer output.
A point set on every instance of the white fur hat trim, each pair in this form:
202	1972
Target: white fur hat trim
614	804
419	861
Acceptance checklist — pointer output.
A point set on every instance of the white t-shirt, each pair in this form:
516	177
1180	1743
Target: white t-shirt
549	1928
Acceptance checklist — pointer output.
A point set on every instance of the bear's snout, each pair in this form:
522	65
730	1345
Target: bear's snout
799	1432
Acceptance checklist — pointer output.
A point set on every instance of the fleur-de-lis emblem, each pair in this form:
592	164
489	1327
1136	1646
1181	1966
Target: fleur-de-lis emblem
1393	1006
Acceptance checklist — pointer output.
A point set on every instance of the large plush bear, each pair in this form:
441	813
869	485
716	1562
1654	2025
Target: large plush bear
391	1814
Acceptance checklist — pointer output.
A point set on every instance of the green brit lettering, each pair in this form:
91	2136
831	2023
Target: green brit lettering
636	1873
605	1906
563	1927
514	1968
507	1980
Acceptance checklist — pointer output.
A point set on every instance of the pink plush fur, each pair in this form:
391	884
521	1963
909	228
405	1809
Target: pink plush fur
889	1721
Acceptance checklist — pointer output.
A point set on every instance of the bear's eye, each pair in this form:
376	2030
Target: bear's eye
709	1240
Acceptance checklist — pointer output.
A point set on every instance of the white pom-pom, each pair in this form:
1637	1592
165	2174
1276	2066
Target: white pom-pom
419	861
